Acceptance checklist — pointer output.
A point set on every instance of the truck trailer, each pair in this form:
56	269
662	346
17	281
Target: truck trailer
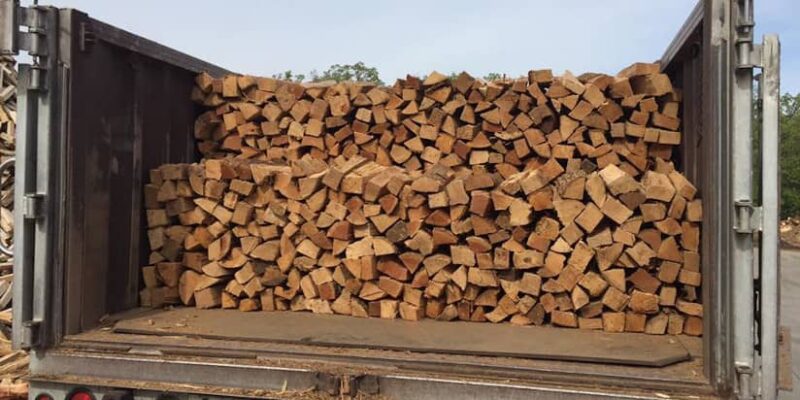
98	107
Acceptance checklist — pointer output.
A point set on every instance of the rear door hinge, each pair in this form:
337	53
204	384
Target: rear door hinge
30	335
748	217
38	39
34	206
744	377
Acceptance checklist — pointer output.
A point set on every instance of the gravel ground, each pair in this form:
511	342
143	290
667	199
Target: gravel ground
790	311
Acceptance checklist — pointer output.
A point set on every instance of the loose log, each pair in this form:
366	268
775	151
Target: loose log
613	321
644	303
565	319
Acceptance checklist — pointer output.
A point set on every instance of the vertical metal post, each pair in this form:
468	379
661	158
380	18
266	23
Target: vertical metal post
742	135
23	234
48	137
770	194
717	223
743	294
38	99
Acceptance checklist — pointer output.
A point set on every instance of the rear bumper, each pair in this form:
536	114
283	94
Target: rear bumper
391	387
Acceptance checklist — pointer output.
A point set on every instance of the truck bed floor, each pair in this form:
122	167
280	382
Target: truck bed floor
184	339
423	336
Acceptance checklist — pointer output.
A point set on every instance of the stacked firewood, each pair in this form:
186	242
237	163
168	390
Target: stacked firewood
504	126
535	201
14	375
13	364
8	117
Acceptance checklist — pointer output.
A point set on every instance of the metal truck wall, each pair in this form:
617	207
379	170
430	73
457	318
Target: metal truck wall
127	113
698	63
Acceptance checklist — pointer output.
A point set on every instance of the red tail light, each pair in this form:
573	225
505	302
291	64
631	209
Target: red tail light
80	394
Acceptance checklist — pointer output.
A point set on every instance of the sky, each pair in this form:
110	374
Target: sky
416	37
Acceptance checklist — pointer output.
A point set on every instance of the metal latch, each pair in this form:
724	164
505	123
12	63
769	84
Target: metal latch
33	206
748	217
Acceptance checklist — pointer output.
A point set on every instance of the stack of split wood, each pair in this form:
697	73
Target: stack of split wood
13	365
8	117
543	200
14	375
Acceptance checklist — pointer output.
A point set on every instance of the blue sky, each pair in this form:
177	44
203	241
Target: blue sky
265	37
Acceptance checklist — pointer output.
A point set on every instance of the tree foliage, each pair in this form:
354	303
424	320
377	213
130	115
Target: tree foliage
349	72
337	72
790	155
290	76
493	76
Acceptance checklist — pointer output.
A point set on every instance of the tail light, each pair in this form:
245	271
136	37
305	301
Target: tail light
80	394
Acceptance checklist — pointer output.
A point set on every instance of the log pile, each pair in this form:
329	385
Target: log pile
13	364
8	117
543	200
14	375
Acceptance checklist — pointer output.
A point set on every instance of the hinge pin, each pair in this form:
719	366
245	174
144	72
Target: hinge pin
744	374
32	208
747	218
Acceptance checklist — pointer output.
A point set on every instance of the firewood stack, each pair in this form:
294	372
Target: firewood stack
13	364
545	200
8	117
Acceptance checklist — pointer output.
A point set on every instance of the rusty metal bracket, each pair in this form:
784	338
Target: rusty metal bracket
347	385
88	38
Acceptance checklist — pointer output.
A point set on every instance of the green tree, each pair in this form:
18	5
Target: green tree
790	155
349	72
493	76
288	75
